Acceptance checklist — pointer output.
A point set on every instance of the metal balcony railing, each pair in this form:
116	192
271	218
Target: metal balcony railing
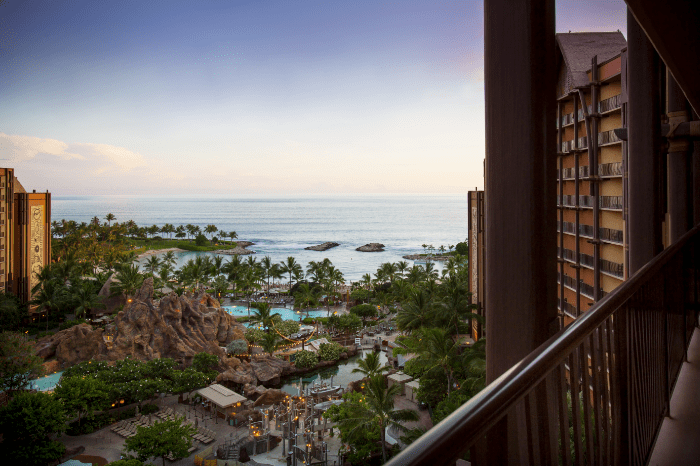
596	392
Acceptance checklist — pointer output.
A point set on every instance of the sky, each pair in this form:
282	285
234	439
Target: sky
240	97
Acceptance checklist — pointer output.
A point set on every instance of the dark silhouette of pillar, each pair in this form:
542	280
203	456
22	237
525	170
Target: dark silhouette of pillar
678	166
643	110
521	256
521	179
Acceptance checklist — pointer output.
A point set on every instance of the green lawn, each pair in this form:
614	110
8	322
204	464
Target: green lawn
151	244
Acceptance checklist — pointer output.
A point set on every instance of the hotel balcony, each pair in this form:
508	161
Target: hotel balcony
619	385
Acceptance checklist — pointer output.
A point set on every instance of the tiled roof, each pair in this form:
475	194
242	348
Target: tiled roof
579	48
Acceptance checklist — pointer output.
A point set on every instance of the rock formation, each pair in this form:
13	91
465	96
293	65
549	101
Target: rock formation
239	250
271	396
179	327
371	247
111	303
323	247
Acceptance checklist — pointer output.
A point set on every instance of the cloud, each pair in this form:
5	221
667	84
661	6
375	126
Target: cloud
122	158
20	148
54	164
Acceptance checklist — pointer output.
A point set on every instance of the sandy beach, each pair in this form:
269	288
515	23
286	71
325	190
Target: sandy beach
157	251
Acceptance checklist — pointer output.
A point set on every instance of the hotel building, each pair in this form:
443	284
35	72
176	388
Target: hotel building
25	235
591	162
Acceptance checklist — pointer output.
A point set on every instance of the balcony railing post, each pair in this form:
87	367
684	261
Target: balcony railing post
623	450
667	343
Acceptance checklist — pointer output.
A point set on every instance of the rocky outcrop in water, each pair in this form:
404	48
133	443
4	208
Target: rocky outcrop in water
371	247
322	247
239	250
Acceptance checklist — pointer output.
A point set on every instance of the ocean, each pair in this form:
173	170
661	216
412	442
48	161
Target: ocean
284	226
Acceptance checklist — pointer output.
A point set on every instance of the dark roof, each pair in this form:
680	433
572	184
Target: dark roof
579	48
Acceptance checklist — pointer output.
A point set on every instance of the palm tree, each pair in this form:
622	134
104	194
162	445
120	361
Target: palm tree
129	281
85	298
191	230
270	342
417	312
306	297
401	267
211	229
266	264
378	410
49	296
288	267
220	285
263	315
169	258
436	349
298	273
109	217
370	366
249	281
152	264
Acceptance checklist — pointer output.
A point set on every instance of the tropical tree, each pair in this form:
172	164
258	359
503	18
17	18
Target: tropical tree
11	311
152	264
82	395
85	298
168	437
270	342
306	296
220	285
128	281
263	315
19	363
28	424
376	410
416	312
437	350
109	217
49	297
370	366
211	229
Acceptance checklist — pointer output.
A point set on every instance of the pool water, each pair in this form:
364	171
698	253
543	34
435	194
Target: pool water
286	313
46	383
342	374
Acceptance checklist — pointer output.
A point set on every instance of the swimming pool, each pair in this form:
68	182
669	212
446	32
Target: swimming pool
46	383
286	313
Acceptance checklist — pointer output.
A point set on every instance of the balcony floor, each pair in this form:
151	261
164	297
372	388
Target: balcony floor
678	443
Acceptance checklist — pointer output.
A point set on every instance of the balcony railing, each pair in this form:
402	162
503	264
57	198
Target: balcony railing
608	137
596	392
610	202
610	169
611	103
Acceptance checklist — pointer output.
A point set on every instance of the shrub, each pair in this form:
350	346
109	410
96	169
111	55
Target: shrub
287	327
157	238
360	295
462	248
254	334
330	351
364	311
305	359
237	347
44	334
243	319
308	320
201	240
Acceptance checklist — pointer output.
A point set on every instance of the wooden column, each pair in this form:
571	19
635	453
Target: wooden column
678	163
520	79
643	110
